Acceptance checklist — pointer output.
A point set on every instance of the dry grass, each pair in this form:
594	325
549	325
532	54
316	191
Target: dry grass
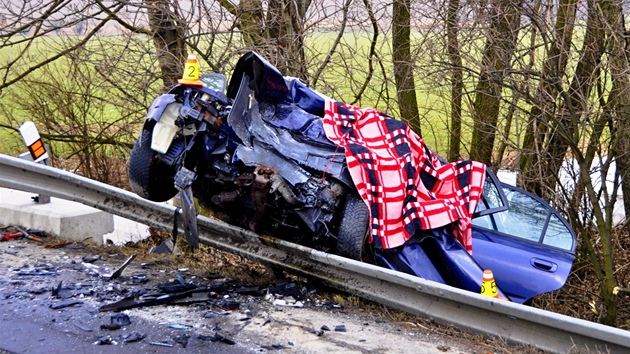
580	298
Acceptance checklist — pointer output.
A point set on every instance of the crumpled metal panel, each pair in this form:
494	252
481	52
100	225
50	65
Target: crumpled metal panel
260	155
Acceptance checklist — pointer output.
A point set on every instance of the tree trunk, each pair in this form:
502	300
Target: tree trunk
620	97
563	129
168	35
278	36
500	45
623	165
403	64
285	37
544	109
457	81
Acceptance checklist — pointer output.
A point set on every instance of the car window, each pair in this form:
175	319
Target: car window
528	218
493	199
557	235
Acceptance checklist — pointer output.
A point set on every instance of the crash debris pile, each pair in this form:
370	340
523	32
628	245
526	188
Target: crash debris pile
113	302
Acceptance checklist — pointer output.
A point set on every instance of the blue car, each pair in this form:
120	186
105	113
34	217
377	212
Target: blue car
526	243
528	246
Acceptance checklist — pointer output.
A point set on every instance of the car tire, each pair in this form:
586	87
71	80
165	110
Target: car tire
354	230
149	177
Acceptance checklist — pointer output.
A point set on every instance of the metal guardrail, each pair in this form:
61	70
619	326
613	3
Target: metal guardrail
440	303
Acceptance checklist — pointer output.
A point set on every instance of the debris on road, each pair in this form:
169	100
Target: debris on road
91	259
121	319
179	326
154	303
216	338
28	233
340	328
133	337
161	344
66	303
105	340
110	327
118	272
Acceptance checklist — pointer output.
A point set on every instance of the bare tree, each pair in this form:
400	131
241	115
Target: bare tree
500	45
404	64
278	34
557	50
167	30
457	80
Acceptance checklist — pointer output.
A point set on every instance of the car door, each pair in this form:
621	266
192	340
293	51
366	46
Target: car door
529	247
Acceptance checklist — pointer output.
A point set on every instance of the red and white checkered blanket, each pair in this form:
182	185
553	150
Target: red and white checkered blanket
401	180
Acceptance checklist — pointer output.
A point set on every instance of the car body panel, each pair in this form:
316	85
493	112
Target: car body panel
513	245
436	256
524	265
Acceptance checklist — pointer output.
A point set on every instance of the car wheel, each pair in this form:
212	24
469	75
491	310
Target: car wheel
149	177
354	230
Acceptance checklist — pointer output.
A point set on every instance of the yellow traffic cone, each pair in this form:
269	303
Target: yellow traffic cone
488	285
191	72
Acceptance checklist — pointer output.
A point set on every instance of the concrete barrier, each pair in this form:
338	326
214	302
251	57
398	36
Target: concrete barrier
66	219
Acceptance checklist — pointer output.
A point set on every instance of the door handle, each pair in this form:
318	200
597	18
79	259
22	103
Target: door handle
543	264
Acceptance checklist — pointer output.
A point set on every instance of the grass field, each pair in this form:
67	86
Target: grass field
336	81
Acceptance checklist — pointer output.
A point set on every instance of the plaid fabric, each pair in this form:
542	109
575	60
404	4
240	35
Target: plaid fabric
401	180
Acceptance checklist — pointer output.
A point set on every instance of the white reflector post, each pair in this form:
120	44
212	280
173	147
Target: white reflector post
33	141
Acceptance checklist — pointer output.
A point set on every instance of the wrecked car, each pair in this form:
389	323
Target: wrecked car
527	244
274	156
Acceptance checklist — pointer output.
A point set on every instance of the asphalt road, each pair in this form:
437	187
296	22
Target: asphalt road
244	322
28	323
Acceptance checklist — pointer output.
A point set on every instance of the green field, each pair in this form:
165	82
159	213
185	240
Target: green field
139	62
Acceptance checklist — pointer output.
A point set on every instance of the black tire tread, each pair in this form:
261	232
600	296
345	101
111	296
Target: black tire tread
354	230
149	177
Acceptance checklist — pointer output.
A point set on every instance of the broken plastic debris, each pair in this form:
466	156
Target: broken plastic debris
133	337
248	290
179	326
105	340
161	344
217	338
62	304
119	271
273	347
230	305
165	247
62	293
177	286
139	278
97	271
35	272
110	327
121	319
91	259
340	328
288	303
56	290
183	339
